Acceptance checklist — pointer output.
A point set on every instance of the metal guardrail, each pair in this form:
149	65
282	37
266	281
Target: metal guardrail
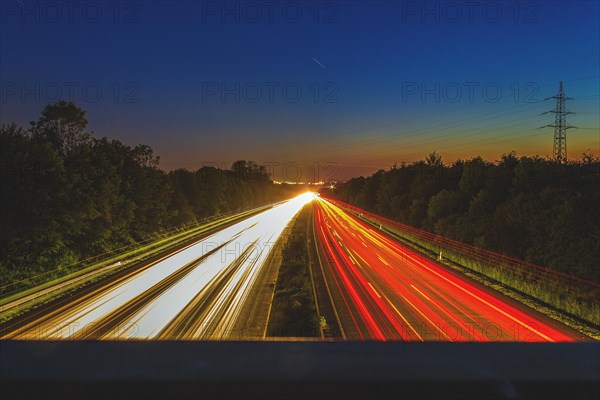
561	281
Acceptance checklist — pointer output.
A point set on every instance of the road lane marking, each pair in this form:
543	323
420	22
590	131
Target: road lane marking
354	260
383	261
422	294
404	319
374	289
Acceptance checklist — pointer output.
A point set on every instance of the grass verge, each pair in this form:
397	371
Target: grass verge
293	312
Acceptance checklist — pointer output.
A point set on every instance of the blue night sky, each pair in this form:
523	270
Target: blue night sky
381	82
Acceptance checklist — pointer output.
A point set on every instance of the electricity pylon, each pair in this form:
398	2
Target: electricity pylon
559	148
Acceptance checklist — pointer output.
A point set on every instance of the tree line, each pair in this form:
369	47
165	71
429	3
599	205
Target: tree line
530	208
66	195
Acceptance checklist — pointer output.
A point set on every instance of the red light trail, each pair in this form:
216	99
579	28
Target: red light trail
386	291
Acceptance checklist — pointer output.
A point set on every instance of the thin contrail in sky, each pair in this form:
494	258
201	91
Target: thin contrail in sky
317	61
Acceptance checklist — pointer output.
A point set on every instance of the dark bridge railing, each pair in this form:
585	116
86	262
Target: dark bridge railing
298	370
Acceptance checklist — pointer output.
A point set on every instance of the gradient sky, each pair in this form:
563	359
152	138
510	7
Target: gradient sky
379	80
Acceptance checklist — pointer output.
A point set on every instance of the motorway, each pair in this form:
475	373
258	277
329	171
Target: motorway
382	290
199	292
368	286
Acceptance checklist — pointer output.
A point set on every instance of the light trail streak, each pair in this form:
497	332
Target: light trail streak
196	293
416	298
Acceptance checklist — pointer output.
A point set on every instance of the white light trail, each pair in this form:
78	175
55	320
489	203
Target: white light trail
242	251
